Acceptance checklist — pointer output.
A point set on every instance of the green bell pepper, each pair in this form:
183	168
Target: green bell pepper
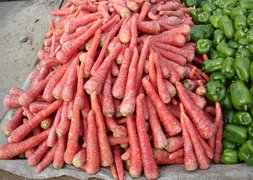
235	133
249	161
227	116
240	20
250	19
194	14
217	76
190	3
218	37
242	53
233	44
227	68
218	11
208	7
219	3
227	26
251	48
224	50
215	91
242	118
213	54
201	32
246	150
241	97
230	3
226	103
212	65
246	4
203	17
228	145
215	19
240	33
250	130
250	36
243	42
203	46
237	11
226	11
242	68
229	156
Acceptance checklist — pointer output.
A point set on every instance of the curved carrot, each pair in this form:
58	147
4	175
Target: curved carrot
14	122
38	154
80	158
118	162
59	153
219	135
63	126
107	102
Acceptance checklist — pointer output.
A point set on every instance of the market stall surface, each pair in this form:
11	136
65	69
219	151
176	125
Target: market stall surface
22	29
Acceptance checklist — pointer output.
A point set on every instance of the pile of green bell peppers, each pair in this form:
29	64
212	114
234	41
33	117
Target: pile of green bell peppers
224	30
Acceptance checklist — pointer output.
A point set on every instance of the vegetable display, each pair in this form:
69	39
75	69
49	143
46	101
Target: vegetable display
228	43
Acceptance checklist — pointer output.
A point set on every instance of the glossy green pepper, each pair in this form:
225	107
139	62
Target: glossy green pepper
208	7
219	3
226	11
218	37
249	161
242	52
251	70
227	26
227	68
246	150
190	3
203	17
212	65
242	68
250	19
233	44
226	103
242	118
194	14
243	42
230	3
240	20
215	19
228	145
229	156
235	133
250	130
250	46
213	54
246	4
217	76
215	91
240	33
250	35
237	11
218	11
224	50
203	46
201	32
227	116
241	97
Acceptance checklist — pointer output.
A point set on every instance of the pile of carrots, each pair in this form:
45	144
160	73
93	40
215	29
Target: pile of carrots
117	85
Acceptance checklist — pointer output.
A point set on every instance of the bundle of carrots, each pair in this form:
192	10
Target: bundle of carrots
118	83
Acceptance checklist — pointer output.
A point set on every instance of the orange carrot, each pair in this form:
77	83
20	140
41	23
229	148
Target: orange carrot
115	69
113	141
177	154
135	168
169	6
37	106
171	124
104	10
125	31
174	143
160	140
114	171
16	91
118	162
59	153
133	6
40	152
118	88
163	157
134	33
104	147
219	135
11	101
8	151
126	155
115	19
107	103
14	122
149	27
61	12
144	11
64	123
22	131
122	10
93	157
172	39
151	69
45	124
119	131
80	158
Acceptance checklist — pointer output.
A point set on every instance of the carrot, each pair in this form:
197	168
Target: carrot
48	159
59	153
123	11
135	167
178	13
119	131
118	88
133	6
169	6
202	123
171	124
177	154
115	19
113	43
80	158
42	54
198	100
117	104
126	155
115	69
114	171
118	162
22	131
120	57
95	83
104	147
162	157
64	123
8	151
177	40
79	31
149	27
151	69
91	53
93	157
127	106
80	94
45	124
219	135
107	102
16	91
152	14
104	10
14	122
11	101
149	166
134	33
125	31
70	48
61	12
52	134
88	8
144	11
160	140
171	88
209	152
73	135
40	152
113	141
